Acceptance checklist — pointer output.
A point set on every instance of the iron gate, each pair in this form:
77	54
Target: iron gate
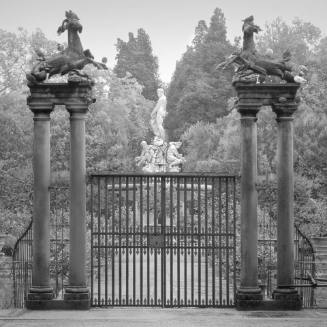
163	240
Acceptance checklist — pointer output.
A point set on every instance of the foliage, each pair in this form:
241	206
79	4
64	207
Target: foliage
197	91
136	57
215	146
115	126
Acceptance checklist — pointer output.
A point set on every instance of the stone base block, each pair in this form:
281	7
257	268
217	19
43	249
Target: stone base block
40	294
58	305
78	298
248	299
287	299
37	297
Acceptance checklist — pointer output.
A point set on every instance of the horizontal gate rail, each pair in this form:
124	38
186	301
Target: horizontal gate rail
165	240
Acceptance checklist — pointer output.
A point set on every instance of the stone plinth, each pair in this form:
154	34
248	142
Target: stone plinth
282	98
76	97
265	94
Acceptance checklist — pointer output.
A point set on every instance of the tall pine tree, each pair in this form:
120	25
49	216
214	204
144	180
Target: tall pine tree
197	91
136	57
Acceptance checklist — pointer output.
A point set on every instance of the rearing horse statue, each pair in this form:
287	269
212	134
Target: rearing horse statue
252	65
70	60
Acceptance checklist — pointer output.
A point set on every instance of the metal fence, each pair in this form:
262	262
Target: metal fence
304	265
22	266
59	247
163	240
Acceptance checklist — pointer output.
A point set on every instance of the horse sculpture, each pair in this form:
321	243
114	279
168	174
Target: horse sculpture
253	67
70	60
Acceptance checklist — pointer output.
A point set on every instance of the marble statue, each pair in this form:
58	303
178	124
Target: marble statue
158	114
67	61
174	159
160	156
255	68
146	156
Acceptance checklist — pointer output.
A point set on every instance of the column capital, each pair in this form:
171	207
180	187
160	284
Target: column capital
40	108
284	110
77	109
248	110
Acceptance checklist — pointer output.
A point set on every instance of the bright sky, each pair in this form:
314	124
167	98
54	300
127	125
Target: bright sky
170	23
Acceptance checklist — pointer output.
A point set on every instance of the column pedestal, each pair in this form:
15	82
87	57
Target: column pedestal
41	291
249	294
285	294
77	292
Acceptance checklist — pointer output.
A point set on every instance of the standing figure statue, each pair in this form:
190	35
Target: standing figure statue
158	114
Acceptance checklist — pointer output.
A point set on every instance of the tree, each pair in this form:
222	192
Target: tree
300	38
197	91
116	125
201	32
136	57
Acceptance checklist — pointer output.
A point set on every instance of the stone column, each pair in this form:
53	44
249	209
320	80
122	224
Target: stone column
249	293
285	213
41	289
77	290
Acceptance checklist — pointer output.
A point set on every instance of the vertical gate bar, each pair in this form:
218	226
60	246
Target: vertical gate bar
234	236
163	248
147	248
171	278
313	274
206	234
141	238
113	249
213	246
56	247
220	245
120	234
127	238
63	242
178	244
199	241
106	240
227	240
155	217
185	241
134	242
192	241
92	248
99	240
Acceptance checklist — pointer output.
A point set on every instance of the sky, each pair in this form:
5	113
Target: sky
169	23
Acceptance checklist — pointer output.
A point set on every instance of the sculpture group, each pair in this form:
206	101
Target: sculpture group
253	67
67	61
160	156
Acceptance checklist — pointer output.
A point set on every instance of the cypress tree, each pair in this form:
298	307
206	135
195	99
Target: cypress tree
197	91
136	57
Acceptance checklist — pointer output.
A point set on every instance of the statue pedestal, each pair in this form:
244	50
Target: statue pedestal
76	97
282	99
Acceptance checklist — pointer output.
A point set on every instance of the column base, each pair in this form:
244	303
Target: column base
77	297
38	296
287	299
248	298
